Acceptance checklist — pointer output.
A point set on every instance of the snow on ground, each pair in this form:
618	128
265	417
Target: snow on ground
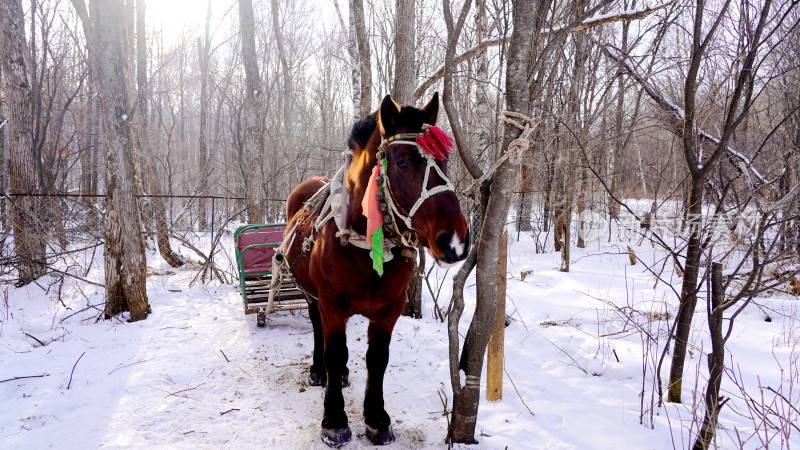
199	374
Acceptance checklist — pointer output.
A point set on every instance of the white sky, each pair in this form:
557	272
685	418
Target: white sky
174	16
176	12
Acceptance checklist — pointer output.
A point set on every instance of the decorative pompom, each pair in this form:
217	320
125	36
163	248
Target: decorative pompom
436	142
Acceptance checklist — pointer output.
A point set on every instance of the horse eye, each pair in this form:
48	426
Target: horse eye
402	164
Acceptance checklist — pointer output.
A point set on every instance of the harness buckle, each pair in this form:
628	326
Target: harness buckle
409	239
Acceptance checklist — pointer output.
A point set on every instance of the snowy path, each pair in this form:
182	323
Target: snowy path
165	382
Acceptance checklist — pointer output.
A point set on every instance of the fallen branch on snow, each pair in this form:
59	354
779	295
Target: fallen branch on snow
69	384
27	376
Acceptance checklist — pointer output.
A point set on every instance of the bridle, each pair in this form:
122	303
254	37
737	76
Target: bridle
379	203
388	199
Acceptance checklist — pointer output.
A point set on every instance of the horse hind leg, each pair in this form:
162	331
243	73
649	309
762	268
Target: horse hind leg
379	425
317	375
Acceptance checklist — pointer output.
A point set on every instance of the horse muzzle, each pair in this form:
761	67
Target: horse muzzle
452	247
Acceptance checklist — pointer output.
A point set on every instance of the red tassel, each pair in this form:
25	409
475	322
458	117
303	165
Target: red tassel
436	142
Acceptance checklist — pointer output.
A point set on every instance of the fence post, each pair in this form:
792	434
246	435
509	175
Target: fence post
494	362
519	213
213	226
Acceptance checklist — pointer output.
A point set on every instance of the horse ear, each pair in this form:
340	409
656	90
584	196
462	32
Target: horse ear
432	108
387	115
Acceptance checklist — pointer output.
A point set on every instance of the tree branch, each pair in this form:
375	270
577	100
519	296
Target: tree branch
594	21
678	115
453	33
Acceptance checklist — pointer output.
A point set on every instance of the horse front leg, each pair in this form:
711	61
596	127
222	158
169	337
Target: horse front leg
379	425
335	429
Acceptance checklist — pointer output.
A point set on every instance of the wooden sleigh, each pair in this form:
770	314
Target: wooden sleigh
263	290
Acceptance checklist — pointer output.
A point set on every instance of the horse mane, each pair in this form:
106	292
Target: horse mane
362	130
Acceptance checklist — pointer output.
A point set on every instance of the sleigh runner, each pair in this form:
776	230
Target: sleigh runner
264	289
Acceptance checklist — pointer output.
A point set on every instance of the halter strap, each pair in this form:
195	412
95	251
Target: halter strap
399	136
393	210
426	193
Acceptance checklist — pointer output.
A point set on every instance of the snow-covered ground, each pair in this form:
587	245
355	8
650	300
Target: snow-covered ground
199	374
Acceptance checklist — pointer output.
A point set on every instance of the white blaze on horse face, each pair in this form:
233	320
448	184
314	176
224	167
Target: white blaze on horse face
457	245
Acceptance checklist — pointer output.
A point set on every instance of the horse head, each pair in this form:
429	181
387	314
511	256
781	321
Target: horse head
420	197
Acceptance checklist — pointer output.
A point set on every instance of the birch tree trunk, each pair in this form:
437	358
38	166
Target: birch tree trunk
25	207
94	134
403	93
355	65
365	68
286	74
253	136
353	57
124	262
479	134
85	118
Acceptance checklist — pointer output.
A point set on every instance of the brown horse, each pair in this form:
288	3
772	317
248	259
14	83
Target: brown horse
335	268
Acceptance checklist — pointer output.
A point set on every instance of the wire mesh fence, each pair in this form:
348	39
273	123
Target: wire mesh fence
68	224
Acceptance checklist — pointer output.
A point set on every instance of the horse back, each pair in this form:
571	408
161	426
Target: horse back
300	194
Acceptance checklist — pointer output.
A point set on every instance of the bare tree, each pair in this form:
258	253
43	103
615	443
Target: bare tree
253	135
404	72
286	74
364	58
484	254
699	166
203	53
125	262
26	212
143	140
721	179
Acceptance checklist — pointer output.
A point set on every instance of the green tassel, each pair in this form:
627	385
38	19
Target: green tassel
377	251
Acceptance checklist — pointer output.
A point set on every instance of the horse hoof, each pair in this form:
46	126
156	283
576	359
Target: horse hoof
315	379
380	437
336	438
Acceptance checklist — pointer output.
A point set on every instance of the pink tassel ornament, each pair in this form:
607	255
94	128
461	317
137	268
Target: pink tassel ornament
436	142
